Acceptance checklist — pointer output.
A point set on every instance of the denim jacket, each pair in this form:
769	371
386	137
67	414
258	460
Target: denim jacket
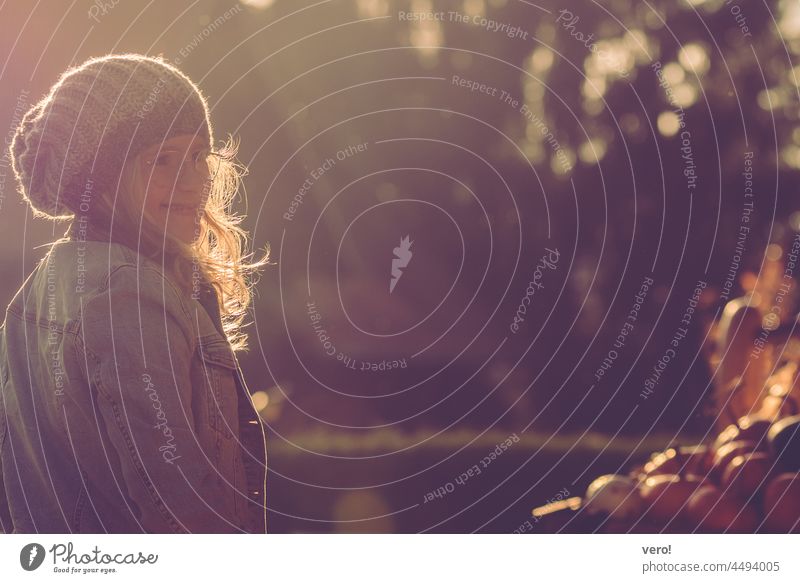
123	407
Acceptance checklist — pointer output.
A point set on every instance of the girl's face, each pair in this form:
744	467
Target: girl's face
176	177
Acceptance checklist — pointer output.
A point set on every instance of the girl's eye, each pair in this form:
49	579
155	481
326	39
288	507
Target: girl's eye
168	159
172	161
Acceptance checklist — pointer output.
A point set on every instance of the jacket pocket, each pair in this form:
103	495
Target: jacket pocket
217	367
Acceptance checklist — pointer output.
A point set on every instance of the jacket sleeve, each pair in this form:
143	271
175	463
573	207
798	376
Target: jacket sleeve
140	337
6	525
5	512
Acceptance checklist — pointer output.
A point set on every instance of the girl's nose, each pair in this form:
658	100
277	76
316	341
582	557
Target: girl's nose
192	179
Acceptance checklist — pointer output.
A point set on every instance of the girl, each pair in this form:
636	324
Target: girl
123	406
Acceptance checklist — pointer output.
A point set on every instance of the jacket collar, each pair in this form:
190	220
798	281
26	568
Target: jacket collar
206	296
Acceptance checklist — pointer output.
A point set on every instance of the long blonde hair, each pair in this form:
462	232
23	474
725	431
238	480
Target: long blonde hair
217	255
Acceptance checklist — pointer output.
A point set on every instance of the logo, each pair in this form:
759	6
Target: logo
402	255
31	556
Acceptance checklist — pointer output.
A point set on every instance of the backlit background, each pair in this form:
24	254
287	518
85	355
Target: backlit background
587	147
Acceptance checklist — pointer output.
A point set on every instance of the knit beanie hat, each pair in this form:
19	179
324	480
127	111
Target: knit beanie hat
74	142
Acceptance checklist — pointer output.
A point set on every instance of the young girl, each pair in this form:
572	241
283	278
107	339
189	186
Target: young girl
123	406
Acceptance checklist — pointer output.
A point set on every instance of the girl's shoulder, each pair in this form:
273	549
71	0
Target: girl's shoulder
86	267
88	261
104	250
71	274
101	268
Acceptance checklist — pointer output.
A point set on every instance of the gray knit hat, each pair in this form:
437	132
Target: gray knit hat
95	116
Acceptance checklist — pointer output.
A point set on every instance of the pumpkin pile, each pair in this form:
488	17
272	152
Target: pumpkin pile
747	480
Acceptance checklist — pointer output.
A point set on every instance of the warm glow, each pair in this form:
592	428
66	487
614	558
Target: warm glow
260	400
592	151
694	58
668	123
685	95
674	73
373	8
261	4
